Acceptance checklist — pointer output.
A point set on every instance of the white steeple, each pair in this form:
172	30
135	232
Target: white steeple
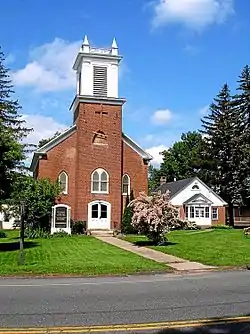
97	70
114	48
85	45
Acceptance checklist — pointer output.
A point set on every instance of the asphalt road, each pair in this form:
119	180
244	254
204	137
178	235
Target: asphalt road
123	300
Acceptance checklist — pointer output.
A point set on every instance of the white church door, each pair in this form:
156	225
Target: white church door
99	213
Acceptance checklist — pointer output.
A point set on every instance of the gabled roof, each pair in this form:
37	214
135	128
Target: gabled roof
127	140
64	135
175	186
195	197
52	143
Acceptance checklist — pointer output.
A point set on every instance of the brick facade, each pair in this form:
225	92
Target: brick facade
79	156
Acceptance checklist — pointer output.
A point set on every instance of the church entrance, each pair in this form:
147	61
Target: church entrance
99	213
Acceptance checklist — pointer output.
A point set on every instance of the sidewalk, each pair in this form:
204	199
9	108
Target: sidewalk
170	260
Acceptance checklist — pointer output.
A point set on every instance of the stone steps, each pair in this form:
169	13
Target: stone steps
101	233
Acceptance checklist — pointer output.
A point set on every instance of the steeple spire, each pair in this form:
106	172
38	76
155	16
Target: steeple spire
85	45
114	48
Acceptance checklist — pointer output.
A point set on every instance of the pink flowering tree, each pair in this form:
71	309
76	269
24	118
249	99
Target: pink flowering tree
154	215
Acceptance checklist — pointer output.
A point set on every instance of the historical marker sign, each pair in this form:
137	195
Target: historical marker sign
60	218
61	214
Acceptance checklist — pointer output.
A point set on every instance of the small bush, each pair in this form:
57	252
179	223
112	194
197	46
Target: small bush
61	234
78	227
3	234
36	233
221	227
126	224
185	225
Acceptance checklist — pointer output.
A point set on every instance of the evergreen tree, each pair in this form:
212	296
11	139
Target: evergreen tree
241	103
126	226
13	131
220	130
153	178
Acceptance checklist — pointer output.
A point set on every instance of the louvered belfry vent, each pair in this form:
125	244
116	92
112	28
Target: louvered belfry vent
100	81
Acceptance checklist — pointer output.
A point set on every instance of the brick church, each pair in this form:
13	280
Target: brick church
96	163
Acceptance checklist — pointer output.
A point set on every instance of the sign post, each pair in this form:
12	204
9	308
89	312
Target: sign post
21	252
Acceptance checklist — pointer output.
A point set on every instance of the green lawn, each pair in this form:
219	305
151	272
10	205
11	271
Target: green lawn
214	247
79	255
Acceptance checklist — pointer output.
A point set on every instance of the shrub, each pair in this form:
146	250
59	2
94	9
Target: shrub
154	215
78	227
3	234
126	225
185	225
61	234
221	227
37	233
38	196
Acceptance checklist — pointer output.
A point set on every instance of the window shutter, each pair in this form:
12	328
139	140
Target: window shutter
100	81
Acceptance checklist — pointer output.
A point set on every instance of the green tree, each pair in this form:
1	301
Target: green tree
39	196
184	159
44	141
220	130
241	102
13	132
126	225
153	178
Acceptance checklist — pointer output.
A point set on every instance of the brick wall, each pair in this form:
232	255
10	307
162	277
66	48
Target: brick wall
90	156
221	216
61	157
136	168
79	157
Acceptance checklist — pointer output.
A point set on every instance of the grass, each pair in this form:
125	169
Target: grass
79	255
213	247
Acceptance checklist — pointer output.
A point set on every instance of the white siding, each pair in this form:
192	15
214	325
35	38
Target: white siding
188	192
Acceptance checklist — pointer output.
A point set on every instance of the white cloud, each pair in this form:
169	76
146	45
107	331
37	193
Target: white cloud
50	67
155	151
44	127
161	117
195	14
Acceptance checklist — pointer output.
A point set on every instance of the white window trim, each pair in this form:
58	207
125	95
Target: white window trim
65	192
217	213
194	206
124	194
99	171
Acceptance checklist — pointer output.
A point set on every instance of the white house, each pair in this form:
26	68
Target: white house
197	202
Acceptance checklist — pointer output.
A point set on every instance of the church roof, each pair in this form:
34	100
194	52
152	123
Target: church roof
64	135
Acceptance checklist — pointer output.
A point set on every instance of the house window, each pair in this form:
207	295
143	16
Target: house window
63	181
191	212
99	181
195	187
215	213
186	212
207	212
125	185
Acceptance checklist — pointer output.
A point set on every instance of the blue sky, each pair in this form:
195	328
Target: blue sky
177	55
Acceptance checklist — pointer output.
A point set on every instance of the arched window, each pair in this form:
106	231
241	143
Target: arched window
63	180
99	181
195	187
125	184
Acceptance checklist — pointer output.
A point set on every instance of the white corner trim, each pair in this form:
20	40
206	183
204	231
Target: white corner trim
132	144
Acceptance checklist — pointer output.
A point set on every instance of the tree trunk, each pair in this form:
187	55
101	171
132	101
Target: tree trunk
231	214
21	253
